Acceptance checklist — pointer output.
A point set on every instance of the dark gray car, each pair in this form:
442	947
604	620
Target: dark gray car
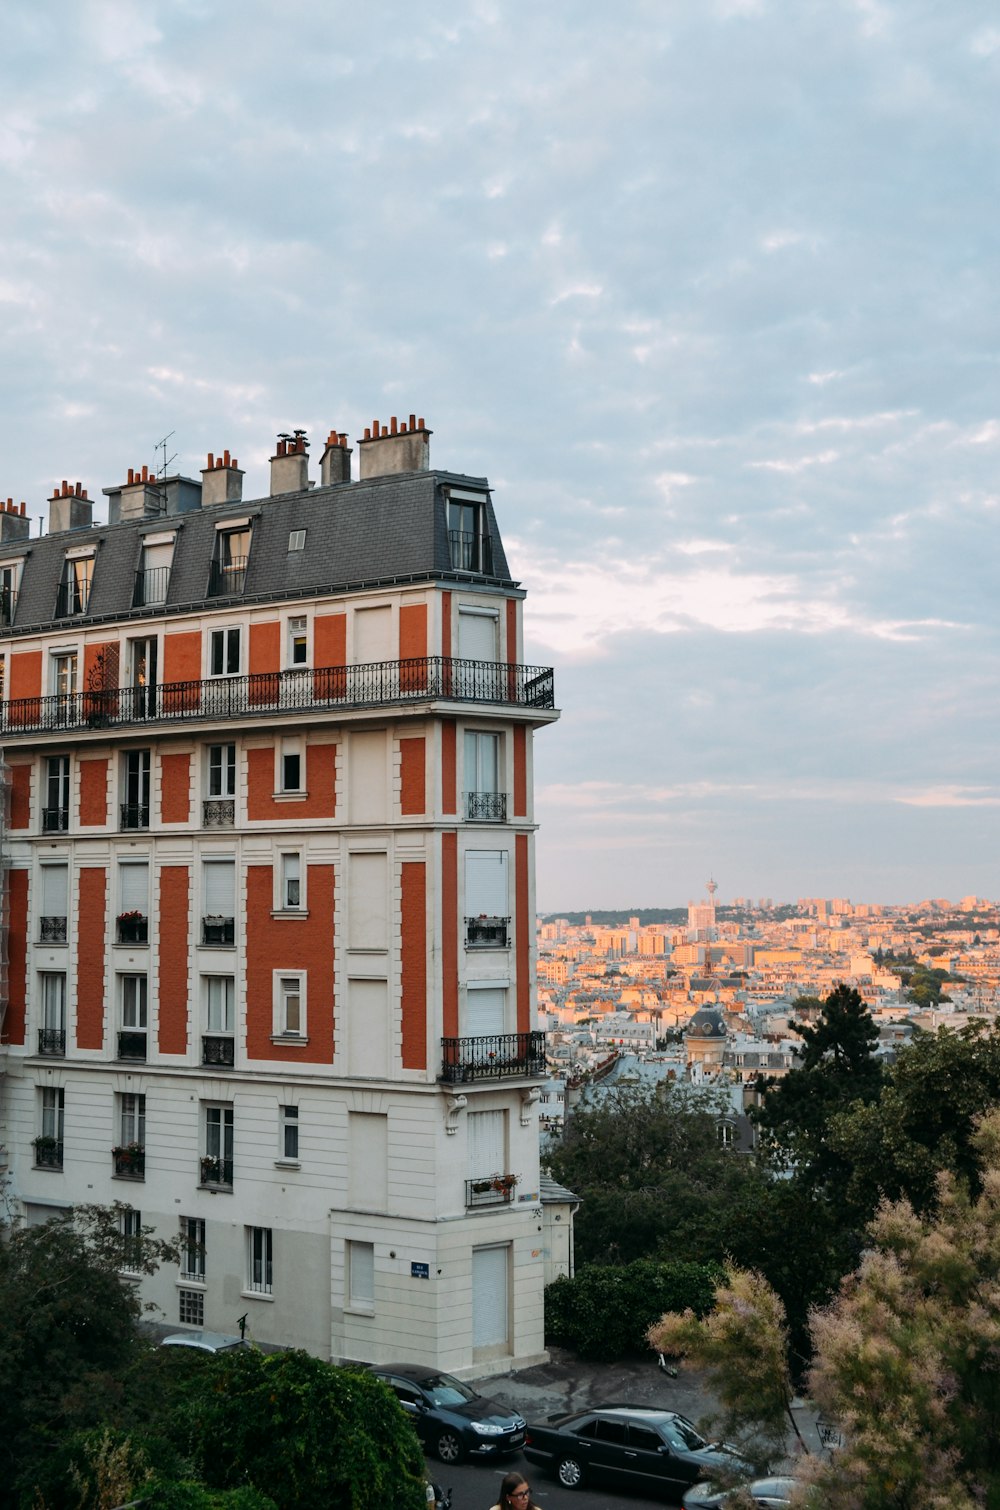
451	1419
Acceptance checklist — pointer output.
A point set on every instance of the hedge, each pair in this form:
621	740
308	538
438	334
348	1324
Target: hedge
605	1311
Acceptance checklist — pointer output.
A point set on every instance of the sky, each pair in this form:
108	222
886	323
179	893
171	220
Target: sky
706	288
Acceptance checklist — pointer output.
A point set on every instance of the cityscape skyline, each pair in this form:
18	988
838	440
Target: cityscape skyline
706	289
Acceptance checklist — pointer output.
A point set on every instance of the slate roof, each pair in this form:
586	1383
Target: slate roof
357	534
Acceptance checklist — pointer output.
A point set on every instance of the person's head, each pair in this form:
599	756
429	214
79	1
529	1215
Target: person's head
514	1492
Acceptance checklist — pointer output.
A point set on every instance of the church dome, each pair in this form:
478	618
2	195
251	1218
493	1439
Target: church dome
707	1022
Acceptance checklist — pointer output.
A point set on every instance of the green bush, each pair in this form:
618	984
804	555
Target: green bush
605	1311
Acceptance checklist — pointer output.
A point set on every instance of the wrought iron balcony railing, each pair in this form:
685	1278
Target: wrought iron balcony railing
490	1190
52	930
494	1056
8	606
52	1042
133	930
328	688
217	930
471	552
487	933
55	820
48	1153
218	1050
151	586
129	1162
134	815
72	598
132	1045
486	807
227	578
218	812
215	1170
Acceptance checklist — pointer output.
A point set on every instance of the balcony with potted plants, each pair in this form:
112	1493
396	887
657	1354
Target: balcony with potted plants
129	1161
490	1190
218	931
132	927
487	933
493	1056
48	1152
216	1171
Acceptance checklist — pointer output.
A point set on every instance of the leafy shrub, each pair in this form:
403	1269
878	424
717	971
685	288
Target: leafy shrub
605	1311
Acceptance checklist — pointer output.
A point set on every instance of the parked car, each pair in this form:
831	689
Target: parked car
206	1342
451	1419
655	1451
765	1492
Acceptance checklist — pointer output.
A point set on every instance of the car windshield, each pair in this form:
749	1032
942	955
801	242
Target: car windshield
680	1433
444	1390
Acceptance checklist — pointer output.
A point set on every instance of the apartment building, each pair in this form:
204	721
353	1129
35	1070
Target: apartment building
271	896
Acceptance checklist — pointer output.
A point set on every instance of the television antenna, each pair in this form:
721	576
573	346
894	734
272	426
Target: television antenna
165	461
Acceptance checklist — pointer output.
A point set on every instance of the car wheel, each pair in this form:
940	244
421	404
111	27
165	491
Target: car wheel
570	1473
449	1447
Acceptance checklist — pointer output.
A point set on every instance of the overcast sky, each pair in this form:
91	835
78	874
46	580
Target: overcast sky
707	288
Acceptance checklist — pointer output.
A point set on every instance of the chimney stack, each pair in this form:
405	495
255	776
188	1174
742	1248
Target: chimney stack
290	464
69	508
396	447
221	480
14	523
140	496
335	463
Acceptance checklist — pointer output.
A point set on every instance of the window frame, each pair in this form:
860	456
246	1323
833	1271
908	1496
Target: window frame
285	881
290	749
296	640
131	1110
359	1262
259	1261
225	638
228	1004
192	1265
288	1142
222	771
289	983
139	1006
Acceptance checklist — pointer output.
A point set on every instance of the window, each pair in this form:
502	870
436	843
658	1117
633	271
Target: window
291	883
74	589
133	902
296	540
290	1007
224	652
55	813
131	1230
8	594
49	1146
289	1132
361	1275
221	770
487	919
484	801
63	673
193	1247
298	645
290	766
191	1307
135	786
219	902
229	569
52	1033
132	1112
153	577
55	902
259	1260
217	1161
133	1000
468	536
220	993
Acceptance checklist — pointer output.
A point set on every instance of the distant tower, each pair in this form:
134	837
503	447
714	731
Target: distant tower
701	915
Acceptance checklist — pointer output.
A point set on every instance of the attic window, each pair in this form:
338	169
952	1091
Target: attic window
296	540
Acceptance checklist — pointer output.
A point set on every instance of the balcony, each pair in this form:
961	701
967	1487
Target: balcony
48	1153
134	815
471	552
218	812
218	1051
129	1161
132	928
52	930
487	933
494	1056
491	1190
151	587
55	820
132	1046
486	807
377	684
52	1042
216	1171
218	931
8	606
227	579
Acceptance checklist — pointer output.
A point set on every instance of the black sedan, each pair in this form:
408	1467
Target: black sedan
451	1419
654	1451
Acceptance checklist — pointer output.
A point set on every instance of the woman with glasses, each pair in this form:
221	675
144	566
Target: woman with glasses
515	1494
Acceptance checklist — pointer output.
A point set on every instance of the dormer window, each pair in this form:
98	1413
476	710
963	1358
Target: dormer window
229	568
74	589
468	535
153	577
8	593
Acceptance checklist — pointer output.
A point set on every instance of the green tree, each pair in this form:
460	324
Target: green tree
836	1067
67	1332
309	1435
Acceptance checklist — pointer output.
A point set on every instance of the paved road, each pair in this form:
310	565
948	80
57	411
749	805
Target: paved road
475	1486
